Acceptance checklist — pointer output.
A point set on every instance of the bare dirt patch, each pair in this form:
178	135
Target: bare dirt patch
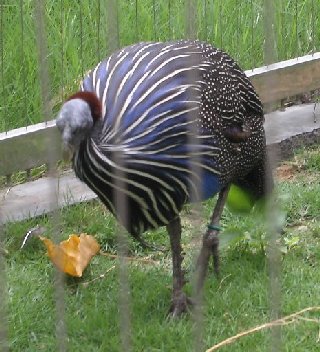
286	172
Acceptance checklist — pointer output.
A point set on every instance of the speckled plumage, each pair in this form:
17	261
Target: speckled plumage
229	100
180	120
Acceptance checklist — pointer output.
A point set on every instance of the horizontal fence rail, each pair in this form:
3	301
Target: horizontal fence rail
289	78
285	131
27	147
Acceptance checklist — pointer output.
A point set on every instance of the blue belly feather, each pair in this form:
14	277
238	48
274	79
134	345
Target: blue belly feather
210	185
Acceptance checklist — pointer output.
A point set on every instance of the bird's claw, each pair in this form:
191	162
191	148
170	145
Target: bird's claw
181	304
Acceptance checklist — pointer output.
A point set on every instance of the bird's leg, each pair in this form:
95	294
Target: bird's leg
180	301
210	242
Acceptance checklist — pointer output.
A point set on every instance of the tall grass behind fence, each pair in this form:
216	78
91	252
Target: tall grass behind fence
77	40
76	36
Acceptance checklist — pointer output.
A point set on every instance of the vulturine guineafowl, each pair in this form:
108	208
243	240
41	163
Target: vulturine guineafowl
161	125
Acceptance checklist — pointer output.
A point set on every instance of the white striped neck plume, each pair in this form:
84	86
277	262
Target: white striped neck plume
77	118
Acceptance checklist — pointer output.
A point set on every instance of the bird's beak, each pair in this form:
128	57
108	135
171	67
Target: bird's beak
67	154
68	149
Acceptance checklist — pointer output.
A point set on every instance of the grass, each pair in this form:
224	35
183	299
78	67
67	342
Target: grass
77	39
236	302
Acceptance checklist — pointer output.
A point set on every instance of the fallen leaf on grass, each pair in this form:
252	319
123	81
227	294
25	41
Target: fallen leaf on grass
73	255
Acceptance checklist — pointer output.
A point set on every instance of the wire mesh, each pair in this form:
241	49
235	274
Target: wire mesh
162	20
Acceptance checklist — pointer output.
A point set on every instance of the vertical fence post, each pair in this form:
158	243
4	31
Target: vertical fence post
273	252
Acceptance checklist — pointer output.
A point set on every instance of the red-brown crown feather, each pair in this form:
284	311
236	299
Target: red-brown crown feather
92	100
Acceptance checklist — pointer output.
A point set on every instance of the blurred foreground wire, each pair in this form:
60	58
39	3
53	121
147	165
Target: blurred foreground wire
3	297
42	47
121	201
272	211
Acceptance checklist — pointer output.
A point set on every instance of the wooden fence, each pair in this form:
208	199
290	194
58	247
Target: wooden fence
27	147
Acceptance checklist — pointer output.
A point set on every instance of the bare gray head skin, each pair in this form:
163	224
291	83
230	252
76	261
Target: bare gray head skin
75	122
77	118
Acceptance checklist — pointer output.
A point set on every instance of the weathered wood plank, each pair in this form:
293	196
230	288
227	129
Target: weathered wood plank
26	148
286	78
41	196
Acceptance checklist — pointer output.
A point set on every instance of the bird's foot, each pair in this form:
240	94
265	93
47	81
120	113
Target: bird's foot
180	305
210	248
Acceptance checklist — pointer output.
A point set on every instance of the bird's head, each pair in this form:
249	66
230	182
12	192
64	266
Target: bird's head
77	118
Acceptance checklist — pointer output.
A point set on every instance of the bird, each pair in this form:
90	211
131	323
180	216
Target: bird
157	125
